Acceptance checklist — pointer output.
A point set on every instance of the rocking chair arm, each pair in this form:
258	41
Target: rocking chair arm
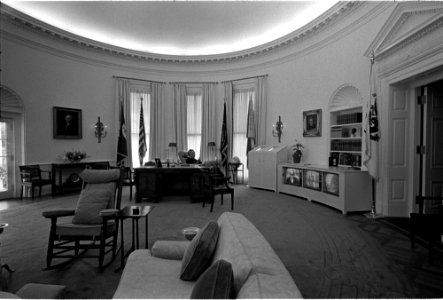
111	212
58	213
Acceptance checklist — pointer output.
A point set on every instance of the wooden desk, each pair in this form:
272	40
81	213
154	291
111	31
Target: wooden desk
65	176
153	183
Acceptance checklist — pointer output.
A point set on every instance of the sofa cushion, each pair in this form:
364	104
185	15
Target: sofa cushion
149	277
265	286
92	200
199	253
217	282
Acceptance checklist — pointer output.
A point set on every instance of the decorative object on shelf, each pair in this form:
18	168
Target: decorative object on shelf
296	152
67	123
277	129
74	156
312	123
100	130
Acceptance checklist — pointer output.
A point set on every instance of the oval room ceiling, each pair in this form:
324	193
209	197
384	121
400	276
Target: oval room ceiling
177	27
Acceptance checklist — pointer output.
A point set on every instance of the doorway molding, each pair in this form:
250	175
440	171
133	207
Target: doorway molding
408	53
12	108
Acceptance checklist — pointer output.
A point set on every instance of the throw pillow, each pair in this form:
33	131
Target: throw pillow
199	253
217	282
91	202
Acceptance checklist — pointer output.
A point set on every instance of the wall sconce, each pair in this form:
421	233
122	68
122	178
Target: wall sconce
100	130
277	129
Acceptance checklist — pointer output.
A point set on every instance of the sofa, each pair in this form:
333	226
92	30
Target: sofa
257	270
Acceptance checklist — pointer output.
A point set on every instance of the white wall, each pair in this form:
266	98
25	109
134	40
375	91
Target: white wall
301	77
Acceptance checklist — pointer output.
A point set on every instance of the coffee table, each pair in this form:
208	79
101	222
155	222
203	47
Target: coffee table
133	212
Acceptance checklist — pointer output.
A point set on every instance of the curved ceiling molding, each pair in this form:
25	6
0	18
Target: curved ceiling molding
326	19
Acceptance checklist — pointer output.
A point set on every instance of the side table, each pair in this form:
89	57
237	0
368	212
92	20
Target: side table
133	212
6	266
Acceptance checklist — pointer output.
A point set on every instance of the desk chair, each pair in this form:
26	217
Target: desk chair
31	176
94	220
128	180
216	184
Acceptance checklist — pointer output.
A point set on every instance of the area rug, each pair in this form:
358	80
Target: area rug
327	255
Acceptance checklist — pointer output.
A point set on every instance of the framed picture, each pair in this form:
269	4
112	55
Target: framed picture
293	176
67	123
331	185
312	123
312	179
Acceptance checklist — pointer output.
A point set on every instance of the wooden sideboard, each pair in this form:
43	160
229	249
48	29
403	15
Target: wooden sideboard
152	183
66	178
345	189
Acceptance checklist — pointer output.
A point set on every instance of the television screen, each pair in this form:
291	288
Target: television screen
293	176
312	179
331	185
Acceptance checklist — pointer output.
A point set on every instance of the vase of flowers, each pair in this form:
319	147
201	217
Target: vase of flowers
297	152
74	155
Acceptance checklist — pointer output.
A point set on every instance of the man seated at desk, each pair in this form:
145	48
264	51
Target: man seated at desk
188	157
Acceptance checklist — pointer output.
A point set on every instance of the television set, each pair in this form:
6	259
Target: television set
312	179
293	176
331	185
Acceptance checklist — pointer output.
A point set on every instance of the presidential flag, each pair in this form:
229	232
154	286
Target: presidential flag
122	145
372	137
224	142
141	136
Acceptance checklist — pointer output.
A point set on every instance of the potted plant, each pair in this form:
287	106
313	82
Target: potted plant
296	152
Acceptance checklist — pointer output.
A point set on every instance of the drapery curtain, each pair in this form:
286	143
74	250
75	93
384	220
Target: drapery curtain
194	120
156	136
208	125
123	109
240	122
228	93
261	100
180	113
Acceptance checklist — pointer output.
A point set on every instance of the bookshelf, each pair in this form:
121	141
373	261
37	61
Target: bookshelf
346	136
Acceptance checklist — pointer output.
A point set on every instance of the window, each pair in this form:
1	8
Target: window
137	98
240	116
194	119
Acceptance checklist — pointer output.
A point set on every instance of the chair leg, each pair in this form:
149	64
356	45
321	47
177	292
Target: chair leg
21	193
32	188
221	199
50	244
130	193
40	191
101	256
212	203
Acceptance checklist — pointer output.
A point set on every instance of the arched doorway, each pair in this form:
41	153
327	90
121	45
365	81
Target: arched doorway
11	141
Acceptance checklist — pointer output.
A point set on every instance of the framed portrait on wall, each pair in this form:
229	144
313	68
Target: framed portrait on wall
312	123
67	123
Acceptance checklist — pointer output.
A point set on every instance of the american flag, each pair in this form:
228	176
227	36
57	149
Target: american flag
141	136
224	142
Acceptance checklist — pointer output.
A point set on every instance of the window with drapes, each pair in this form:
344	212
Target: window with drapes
137	98
194	119
242	94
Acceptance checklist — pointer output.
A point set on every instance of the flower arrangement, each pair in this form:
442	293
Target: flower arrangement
74	155
296	151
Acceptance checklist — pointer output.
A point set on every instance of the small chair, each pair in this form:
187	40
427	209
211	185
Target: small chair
128	180
214	183
31	176
94	220
428	224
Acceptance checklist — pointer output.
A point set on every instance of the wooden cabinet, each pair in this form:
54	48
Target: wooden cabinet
346	136
263	161
345	189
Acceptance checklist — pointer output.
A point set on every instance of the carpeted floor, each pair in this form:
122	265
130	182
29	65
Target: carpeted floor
329	255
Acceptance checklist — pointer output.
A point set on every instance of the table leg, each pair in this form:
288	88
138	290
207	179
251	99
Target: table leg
146	232
136	229
133	235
